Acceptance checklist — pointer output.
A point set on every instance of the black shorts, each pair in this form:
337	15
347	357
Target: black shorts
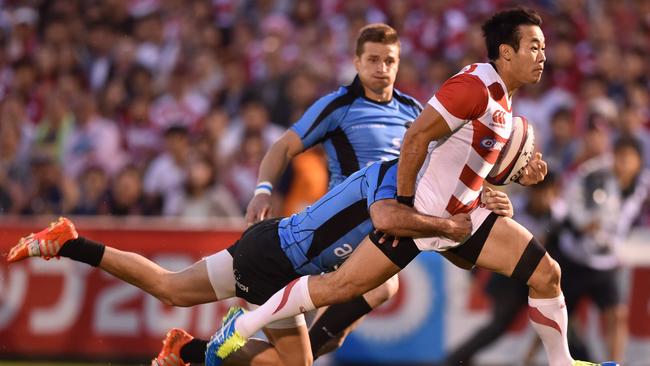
402	254
260	266
603	287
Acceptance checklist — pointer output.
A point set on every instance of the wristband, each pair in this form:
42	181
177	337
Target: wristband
263	188
406	200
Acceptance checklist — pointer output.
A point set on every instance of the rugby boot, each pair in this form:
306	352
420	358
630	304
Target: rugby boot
45	243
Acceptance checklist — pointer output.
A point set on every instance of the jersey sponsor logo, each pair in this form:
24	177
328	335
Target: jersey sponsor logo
240	285
499	118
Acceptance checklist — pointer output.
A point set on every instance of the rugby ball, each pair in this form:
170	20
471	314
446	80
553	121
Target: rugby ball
515	155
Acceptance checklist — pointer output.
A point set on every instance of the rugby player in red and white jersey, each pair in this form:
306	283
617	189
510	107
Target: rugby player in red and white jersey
445	157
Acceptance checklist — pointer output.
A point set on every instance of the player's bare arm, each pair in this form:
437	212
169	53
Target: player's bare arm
273	164
429	126
390	217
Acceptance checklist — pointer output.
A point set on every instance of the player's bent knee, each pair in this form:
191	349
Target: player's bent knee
546	278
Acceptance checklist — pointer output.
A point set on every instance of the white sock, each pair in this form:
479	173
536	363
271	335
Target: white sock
549	319
290	301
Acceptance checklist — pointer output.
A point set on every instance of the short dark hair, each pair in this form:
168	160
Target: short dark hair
503	28
630	142
378	33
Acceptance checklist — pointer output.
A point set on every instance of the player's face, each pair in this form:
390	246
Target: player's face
528	61
377	66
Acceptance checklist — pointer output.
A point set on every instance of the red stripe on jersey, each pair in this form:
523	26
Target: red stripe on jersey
484	141
471	179
498	94
455	206
464	96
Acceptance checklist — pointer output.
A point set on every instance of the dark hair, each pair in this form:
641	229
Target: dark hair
630	142
503	28
561	113
378	33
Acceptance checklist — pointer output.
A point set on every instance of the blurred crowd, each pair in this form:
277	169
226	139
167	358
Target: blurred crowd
166	107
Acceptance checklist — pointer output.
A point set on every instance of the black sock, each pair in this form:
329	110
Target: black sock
83	250
334	320
194	351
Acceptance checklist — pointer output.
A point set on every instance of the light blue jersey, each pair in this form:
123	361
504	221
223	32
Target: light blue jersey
319	238
356	131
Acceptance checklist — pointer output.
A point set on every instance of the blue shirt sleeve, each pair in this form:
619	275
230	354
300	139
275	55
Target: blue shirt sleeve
320	118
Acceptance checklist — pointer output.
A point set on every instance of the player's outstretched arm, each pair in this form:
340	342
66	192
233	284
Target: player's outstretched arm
429	126
273	165
393	218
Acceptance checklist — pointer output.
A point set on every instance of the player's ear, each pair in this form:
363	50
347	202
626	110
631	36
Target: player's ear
506	51
357	62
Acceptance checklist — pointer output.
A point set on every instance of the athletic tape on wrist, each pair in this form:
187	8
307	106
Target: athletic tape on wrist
263	188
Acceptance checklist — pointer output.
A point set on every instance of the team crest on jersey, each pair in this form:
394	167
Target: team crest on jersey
491	144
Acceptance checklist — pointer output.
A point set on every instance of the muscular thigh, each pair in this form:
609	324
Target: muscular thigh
504	246
367	268
193	284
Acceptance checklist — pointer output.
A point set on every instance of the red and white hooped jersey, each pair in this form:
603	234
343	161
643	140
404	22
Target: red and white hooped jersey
476	106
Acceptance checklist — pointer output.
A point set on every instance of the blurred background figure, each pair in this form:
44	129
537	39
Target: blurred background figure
603	200
201	195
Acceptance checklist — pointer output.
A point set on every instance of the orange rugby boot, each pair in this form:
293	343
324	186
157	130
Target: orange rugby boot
170	355
45	243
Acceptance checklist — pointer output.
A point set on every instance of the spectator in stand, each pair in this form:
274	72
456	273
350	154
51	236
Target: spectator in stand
53	131
167	172
631	124
98	63
595	142
254	119
561	146
241	174
142	139
125	196
201	195
180	105
94	140
16	137
24	37
50	192
140	83
213	130
93	192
